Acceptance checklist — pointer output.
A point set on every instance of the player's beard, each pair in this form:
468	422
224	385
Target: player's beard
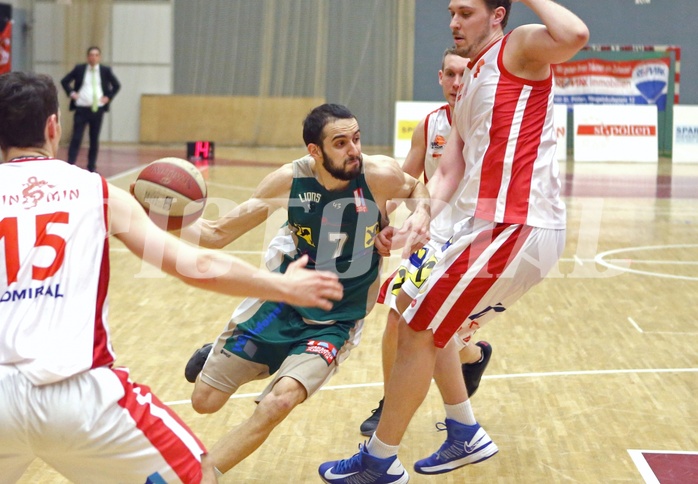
472	49
339	170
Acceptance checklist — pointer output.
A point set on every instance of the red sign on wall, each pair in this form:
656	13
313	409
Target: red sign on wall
6	48
200	150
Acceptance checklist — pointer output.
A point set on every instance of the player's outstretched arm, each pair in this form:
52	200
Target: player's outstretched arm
215	270
271	194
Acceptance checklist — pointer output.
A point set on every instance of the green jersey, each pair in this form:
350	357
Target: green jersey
336	229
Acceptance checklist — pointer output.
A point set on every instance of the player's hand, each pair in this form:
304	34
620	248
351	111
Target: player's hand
208	474
384	241
413	234
310	288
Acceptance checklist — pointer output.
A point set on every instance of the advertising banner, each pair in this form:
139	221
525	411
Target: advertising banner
407	115
685	140
598	81
615	133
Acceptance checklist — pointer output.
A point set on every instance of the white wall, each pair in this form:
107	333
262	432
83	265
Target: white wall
140	52
49	39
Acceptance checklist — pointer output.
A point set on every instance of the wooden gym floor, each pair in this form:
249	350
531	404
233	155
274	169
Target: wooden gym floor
594	374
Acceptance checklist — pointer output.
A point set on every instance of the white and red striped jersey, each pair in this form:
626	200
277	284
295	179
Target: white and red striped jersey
506	123
437	127
54	269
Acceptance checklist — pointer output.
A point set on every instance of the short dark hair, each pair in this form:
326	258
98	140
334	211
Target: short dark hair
93	47
453	50
493	4
319	117
26	102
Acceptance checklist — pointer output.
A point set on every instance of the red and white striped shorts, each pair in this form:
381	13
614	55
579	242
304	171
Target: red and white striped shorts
457	287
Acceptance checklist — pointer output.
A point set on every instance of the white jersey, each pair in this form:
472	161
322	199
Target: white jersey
55	270
437	127
506	123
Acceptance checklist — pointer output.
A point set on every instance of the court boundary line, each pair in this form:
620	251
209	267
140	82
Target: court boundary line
644	468
396	255
599	259
639	329
124	173
508	376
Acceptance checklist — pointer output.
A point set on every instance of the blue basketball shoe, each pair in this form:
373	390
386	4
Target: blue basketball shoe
465	444
363	468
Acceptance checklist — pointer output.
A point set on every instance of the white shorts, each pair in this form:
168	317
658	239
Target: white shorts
458	286
97	426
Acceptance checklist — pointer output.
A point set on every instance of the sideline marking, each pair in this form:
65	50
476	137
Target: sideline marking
637	327
226	185
126	173
395	256
677	457
488	377
244	252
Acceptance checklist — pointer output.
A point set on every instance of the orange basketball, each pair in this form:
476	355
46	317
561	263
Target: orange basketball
172	191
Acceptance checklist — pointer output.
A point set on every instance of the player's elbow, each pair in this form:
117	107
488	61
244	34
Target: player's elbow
200	268
576	36
574	39
581	36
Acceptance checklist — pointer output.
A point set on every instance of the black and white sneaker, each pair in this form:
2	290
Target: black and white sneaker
472	372
196	362
369	425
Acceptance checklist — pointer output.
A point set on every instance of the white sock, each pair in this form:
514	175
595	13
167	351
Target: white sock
380	449
461	412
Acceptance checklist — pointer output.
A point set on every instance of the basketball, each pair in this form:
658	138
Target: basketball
172	191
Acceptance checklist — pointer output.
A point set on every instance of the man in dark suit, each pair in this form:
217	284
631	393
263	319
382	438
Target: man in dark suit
91	88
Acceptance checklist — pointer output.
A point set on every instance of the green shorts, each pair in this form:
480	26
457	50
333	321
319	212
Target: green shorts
264	336
276	331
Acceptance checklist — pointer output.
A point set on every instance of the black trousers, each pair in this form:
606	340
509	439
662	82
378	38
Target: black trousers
85	117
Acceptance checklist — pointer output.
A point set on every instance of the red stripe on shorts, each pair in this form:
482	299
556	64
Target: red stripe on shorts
386	288
144	407
475	290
